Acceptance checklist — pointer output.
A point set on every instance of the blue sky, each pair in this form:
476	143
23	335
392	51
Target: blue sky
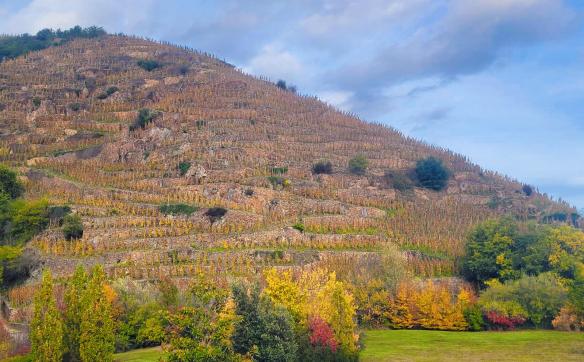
501	81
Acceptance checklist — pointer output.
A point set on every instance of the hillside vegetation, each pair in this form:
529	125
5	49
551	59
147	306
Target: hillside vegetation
195	197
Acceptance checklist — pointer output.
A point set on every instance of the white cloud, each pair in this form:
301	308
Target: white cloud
339	99
276	63
115	15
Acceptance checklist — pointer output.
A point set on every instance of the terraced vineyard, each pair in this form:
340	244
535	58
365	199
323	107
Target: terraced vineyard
240	151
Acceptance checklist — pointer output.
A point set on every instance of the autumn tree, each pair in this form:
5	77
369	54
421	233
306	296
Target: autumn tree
96	342
74	312
46	327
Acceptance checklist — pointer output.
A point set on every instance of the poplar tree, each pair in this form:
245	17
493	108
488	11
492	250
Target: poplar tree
74	312
46	327
96	342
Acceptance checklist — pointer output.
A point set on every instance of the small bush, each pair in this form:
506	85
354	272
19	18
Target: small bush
249	192
75	107
108	92
58	213
184	167
72	227
281	84
323	167
432	174
527	190
177	209
276	180
145	116
474	318
148	64
111	90
9	183
36	102
398	180
278	170
215	214
299	226
358	165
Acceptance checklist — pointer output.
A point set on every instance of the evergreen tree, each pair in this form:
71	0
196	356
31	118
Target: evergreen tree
46	327
96	342
74	312
263	331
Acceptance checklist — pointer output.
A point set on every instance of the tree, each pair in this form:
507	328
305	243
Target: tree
358	165
432	174
576	294
9	183
46	327
401	311
28	218
263	331
338	310
96	342
72	227
73	314
198	335
282	290
488	251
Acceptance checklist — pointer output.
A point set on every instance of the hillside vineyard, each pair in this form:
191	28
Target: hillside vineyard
241	151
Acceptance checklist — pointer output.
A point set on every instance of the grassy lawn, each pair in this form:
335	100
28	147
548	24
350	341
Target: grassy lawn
404	345
140	355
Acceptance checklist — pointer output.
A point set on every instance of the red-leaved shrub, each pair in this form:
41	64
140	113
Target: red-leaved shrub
501	321
321	334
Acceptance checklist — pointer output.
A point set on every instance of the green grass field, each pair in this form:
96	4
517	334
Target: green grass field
408	345
140	355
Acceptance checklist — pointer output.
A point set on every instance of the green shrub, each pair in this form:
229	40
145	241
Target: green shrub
145	116
108	92
487	242
75	107
183	167
276	181
28	219
111	90
9	183
299	226
322	167
432	174
148	64
278	170
540	297
36	102
177	209
358	165
72	227
474	318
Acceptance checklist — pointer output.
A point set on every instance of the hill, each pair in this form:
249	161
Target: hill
117	126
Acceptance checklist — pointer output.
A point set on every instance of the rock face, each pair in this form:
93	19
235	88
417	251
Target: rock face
196	174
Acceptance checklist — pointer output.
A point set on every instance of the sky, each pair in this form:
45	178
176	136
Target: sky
501	81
